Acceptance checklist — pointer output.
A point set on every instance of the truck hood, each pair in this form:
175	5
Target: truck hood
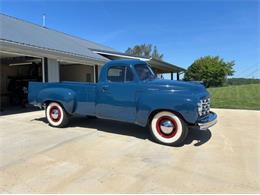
191	87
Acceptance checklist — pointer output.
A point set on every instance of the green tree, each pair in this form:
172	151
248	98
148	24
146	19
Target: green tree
145	50
211	70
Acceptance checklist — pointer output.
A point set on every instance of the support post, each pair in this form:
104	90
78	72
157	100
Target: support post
178	76
45	69
171	75
96	73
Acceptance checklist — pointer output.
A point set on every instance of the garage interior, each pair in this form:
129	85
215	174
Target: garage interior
16	71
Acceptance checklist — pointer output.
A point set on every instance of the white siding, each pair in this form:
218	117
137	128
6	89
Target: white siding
53	70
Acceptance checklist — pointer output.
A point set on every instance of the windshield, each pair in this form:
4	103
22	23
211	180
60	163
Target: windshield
144	72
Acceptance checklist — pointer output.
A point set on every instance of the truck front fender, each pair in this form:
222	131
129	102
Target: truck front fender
66	97
178	103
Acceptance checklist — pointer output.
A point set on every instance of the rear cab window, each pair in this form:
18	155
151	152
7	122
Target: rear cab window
120	74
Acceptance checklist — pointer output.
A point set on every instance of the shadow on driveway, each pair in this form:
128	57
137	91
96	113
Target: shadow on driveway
17	110
201	137
127	129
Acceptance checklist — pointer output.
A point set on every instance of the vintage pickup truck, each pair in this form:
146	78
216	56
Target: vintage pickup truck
129	91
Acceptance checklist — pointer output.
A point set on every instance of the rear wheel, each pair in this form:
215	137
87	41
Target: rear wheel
167	128
56	115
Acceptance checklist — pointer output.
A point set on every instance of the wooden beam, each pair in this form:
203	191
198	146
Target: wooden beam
20	59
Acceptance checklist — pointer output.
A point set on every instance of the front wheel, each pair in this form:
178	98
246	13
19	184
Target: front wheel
169	129
56	115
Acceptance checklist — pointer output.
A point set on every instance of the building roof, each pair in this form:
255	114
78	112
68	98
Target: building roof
20	35
18	31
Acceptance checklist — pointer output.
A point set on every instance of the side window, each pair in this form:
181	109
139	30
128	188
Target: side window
120	74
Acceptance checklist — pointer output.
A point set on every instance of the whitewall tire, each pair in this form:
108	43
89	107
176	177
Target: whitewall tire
56	115
169	129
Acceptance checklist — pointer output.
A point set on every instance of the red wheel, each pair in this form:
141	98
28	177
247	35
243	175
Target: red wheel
167	128
56	115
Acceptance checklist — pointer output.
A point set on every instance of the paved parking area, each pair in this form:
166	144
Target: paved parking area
100	156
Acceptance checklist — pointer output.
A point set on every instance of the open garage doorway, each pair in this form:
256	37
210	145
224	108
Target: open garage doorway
76	72
16	72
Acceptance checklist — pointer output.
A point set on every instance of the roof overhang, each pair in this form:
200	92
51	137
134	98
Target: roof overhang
164	67
31	50
158	65
119	55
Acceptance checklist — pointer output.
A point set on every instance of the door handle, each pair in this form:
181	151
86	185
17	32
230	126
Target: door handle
104	88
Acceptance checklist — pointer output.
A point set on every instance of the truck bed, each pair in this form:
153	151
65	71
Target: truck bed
83	94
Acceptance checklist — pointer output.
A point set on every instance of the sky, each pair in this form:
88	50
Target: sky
182	30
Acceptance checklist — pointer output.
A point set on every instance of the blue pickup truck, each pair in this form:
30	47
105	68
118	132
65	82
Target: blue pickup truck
129	91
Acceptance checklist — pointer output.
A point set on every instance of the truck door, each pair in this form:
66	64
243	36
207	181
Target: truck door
117	95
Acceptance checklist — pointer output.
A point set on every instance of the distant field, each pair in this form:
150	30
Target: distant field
236	96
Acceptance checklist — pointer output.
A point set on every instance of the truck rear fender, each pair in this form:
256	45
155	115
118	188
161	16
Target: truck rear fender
66	97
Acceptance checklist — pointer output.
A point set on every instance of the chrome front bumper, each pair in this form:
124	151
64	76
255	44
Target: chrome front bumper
208	121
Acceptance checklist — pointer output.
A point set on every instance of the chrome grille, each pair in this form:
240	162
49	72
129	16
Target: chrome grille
205	104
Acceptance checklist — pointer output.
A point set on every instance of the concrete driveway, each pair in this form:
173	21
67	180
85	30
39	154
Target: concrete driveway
100	156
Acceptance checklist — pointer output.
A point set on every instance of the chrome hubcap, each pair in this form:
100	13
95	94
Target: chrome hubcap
167	126
55	113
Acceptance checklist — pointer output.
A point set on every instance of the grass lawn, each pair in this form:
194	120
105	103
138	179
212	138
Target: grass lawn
236	96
